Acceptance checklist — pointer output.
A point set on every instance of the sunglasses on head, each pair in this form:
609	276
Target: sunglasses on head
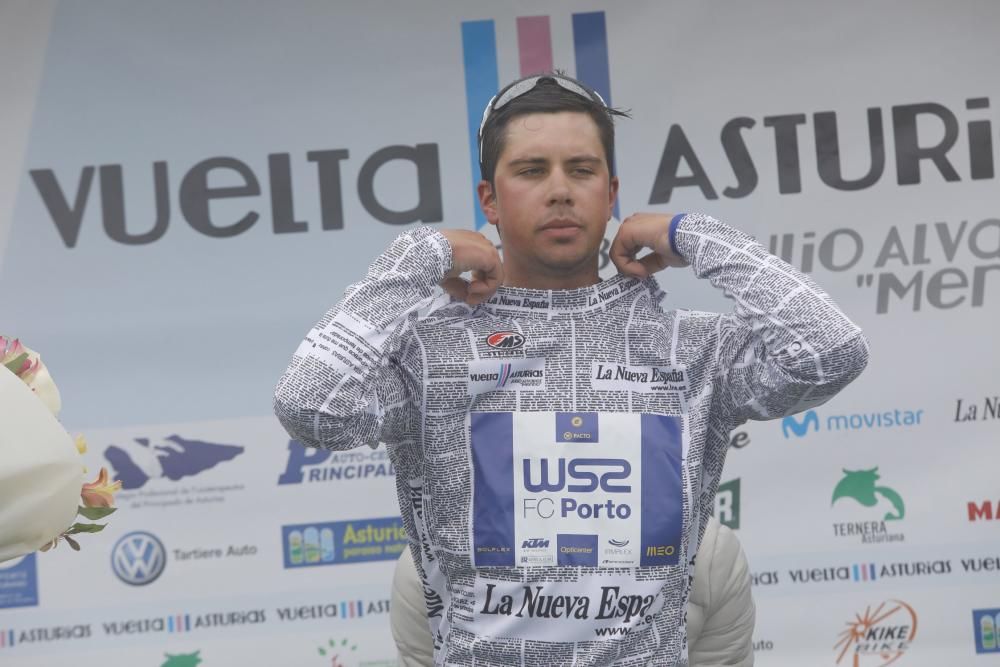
518	88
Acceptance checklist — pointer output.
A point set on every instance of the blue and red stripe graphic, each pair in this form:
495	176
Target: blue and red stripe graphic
504	375
352	609
534	45
6	638
864	571
179	623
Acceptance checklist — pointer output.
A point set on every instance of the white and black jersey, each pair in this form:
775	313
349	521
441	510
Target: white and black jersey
557	452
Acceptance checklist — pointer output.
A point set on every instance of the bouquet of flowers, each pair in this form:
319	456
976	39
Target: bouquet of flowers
42	486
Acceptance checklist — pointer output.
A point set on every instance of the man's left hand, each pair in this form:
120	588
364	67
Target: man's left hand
644	230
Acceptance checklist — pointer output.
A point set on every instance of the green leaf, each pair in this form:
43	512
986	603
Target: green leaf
15	364
85	528
72	543
95	513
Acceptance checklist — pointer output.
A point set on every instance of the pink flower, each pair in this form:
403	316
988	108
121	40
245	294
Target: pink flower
99	493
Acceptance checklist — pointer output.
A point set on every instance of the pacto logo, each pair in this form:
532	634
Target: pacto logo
505	340
587	471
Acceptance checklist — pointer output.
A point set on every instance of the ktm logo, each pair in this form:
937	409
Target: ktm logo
535	543
505	340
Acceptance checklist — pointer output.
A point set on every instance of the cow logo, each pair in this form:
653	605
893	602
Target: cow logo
138	558
505	340
879	636
138	462
860	485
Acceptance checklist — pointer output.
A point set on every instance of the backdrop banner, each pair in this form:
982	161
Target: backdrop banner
198	182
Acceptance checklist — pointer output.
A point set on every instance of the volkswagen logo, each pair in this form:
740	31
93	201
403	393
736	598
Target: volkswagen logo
138	558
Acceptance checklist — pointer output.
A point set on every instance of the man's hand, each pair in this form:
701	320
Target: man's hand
471	251
644	230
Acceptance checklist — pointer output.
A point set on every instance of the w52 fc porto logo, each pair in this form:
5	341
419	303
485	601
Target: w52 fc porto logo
576	488
138	558
880	636
534	45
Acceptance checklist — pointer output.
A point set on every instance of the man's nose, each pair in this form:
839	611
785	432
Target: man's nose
559	188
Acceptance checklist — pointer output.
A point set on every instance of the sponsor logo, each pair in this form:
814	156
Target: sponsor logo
535	602
172	624
576	550
868	572
535	543
878	636
505	340
576	427
606	376
19	582
617	552
138	463
984	511
214	553
11	638
964	254
762	645
311	464
860	486
332	543
344	653
727	504
486	375
769	578
138	558
182	659
344	609
985	626
981	564
809	422
479	47
970	412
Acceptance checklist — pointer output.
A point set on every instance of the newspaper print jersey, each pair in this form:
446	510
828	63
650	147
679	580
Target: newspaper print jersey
557	452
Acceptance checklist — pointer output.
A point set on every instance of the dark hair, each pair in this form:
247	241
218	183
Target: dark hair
546	97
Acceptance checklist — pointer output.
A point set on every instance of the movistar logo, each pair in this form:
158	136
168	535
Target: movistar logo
860	485
800	428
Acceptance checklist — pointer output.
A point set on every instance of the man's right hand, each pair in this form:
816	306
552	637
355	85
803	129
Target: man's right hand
471	251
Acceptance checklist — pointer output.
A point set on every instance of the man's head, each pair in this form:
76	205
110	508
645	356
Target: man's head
546	153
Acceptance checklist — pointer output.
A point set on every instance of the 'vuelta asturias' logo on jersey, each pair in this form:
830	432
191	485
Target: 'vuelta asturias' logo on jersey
505	340
490	375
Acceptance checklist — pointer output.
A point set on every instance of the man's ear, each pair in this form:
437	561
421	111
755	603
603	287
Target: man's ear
612	196
488	202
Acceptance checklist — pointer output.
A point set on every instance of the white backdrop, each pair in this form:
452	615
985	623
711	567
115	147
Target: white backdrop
186	187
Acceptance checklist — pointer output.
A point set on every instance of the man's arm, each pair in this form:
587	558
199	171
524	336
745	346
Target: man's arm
340	382
786	347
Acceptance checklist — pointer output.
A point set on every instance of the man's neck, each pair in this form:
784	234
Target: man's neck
546	281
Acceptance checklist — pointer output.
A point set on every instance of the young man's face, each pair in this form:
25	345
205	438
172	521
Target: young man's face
552	200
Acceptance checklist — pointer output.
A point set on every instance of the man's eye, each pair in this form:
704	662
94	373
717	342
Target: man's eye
584	170
530	171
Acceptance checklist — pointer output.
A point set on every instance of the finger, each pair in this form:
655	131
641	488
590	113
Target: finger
456	287
622	253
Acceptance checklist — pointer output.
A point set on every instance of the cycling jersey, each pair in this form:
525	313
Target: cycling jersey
557	452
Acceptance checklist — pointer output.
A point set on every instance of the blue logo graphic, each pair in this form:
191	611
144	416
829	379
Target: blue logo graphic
19	583
138	558
576	427
857	421
331	543
985	624
790	423
577	550
135	464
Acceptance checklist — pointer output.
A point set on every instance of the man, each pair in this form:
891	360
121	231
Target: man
558	440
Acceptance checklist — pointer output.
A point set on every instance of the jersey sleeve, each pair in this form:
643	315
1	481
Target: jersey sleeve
346	375
786	346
